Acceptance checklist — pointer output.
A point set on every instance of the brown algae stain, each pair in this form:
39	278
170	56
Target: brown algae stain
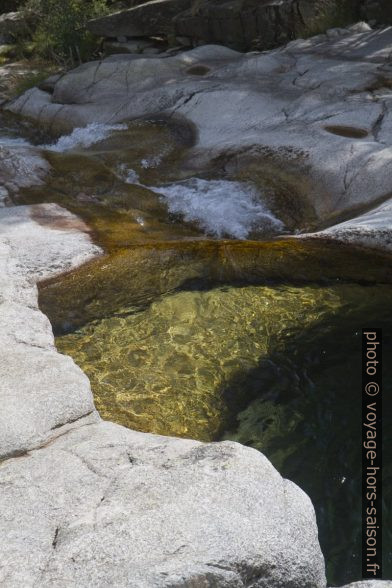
136	276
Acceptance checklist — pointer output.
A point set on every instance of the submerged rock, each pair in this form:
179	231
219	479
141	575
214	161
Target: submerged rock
165	369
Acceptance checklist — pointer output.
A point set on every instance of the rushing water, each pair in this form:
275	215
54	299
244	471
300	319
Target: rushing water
184	330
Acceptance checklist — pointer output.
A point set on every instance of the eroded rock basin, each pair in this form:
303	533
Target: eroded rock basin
273	366
185	331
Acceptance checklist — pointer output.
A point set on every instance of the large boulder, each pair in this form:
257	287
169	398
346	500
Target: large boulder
264	24
372	230
149	19
240	24
107	506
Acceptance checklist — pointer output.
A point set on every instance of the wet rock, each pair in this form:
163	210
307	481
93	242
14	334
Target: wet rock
21	166
163	371
109	284
109	506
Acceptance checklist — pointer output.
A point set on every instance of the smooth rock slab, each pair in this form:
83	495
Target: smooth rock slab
106	506
262	24
372	230
46	239
42	393
321	106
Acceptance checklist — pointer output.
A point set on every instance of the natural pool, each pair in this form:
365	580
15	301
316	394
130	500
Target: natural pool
184	330
273	367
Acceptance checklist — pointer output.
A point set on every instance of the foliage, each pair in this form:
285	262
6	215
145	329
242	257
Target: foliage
33	78
61	34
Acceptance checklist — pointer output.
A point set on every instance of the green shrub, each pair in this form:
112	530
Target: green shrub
61	34
40	72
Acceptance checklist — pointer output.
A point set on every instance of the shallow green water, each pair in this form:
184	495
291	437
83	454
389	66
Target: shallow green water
164	369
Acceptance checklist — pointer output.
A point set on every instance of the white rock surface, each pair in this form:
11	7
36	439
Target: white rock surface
42	393
325	103
372	230
106	506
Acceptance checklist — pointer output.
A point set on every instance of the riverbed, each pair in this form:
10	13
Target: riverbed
208	318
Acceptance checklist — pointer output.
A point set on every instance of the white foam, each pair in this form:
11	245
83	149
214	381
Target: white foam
127	175
155	160
220	207
84	136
